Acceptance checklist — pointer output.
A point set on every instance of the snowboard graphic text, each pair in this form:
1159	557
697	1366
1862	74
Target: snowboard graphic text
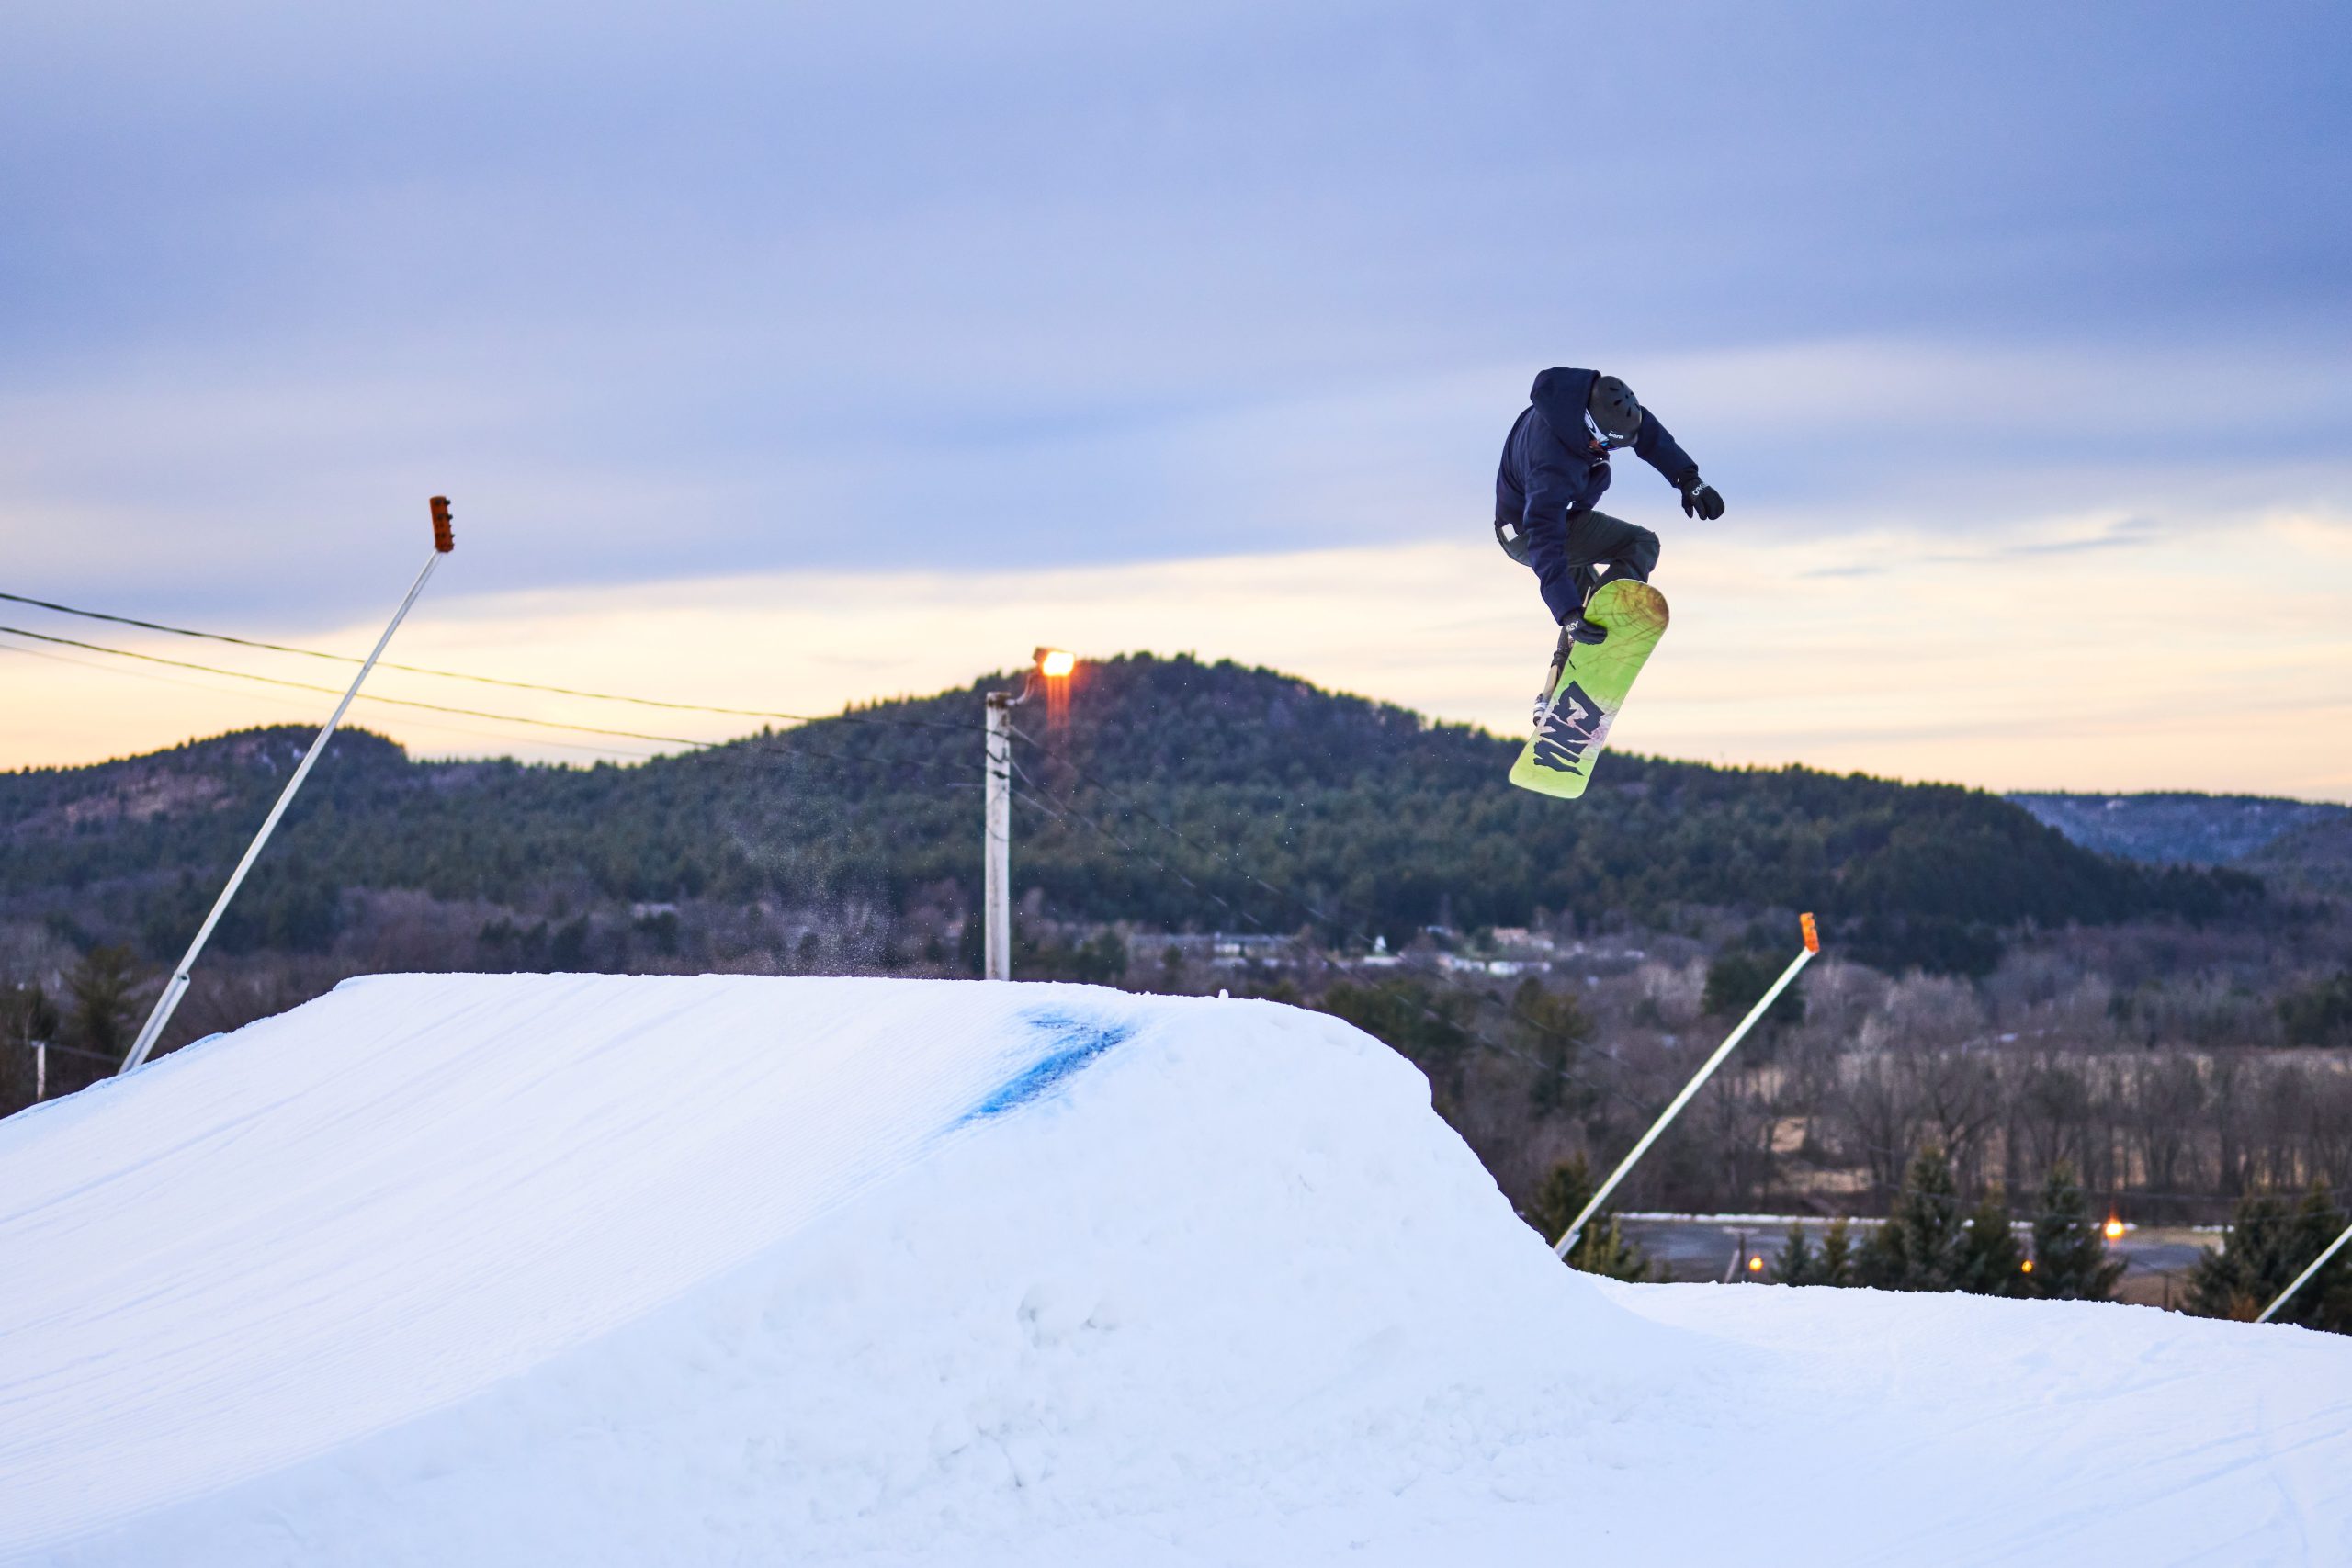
1575	723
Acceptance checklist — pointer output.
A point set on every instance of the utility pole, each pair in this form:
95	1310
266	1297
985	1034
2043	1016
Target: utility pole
996	897
444	541
995	849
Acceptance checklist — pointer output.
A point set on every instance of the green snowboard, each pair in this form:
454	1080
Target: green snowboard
1589	687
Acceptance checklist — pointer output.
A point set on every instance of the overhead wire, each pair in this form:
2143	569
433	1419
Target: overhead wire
363	697
775	745
440	725
766	744
464	675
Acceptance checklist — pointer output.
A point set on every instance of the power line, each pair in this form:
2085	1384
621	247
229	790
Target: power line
459	674
780	746
443	728
363	697
740	752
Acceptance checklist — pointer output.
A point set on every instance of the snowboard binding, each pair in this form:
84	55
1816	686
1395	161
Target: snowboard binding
1575	630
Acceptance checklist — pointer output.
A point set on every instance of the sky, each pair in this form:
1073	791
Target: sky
792	355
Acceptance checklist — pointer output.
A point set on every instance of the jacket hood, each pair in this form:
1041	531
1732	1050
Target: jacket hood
1560	395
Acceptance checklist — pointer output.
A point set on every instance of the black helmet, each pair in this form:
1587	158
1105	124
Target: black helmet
1615	413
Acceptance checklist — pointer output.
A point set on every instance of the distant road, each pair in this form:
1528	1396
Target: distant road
1713	1247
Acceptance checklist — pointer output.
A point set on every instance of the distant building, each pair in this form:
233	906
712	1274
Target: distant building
1218	950
1459	964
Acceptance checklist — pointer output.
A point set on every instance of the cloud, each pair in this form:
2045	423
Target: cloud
2128	534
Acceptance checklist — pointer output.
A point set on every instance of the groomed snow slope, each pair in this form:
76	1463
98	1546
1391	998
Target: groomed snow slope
600	1269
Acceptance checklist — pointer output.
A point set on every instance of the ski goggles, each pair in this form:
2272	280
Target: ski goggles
1604	440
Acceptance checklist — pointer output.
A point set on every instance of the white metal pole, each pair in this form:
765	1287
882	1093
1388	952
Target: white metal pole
40	1071
177	987
2305	1278
997	880
1706	1070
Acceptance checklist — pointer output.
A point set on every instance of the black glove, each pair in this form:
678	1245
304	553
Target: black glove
1699	497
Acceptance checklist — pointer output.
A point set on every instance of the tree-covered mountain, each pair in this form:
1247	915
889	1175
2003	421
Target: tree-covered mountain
2313	858
2177	828
2168	1028
1178	795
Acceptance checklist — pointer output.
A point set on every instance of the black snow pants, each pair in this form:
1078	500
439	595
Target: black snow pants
1595	540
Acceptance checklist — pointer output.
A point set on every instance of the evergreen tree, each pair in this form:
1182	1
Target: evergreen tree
1919	1247
1738	979
2265	1248
2070	1261
100	988
1553	1027
1601	1248
1406	1014
1604	1249
1989	1261
1797	1264
2321	1015
1836	1266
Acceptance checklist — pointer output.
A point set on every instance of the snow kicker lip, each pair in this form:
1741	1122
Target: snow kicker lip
1072	1044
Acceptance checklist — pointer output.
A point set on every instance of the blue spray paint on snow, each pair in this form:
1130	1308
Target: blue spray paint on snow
1070	1044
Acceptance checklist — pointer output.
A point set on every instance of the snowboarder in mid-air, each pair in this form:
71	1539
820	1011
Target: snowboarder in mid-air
1586	563
1555	467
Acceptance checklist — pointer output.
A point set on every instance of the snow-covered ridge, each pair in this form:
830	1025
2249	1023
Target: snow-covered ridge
459	1270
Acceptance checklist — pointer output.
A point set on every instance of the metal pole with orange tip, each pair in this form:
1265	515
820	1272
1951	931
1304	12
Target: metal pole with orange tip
1706	1070
444	541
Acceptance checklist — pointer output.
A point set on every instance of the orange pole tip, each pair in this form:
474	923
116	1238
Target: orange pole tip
1812	933
443	539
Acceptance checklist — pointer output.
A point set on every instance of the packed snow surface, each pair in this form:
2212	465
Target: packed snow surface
603	1270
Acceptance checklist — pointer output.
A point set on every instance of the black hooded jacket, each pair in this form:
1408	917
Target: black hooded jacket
1551	470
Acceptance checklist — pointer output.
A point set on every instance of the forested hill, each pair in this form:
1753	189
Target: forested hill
1178	795
2180	828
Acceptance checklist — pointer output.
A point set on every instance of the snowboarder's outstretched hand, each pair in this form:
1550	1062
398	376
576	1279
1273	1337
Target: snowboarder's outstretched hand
1699	499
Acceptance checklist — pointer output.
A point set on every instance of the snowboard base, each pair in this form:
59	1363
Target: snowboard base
1592	687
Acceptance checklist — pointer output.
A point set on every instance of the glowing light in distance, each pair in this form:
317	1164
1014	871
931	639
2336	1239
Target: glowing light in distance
1055	663
2114	1228
1756	1265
